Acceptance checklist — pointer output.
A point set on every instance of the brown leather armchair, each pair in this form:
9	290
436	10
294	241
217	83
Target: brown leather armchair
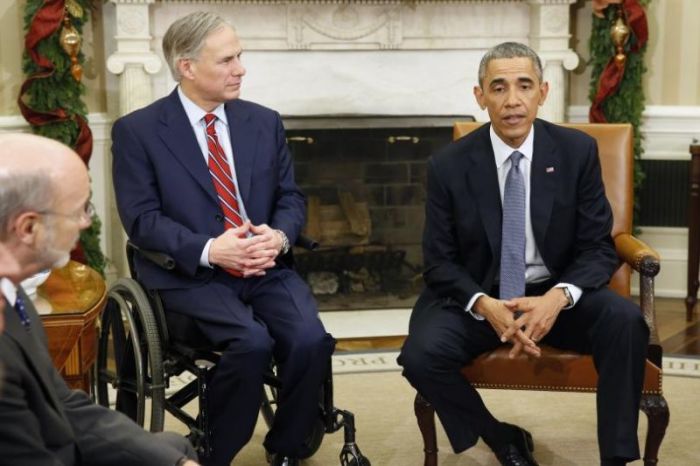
558	370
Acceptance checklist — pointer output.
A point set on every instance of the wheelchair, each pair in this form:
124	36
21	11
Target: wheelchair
141	348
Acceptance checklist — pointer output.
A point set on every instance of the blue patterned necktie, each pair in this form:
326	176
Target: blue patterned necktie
22	312
513	233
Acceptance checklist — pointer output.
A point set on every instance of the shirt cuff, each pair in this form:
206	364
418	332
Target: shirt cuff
204	258
575	291
470	304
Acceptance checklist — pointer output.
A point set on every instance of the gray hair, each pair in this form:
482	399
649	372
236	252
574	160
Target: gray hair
185	37
23	191
509	50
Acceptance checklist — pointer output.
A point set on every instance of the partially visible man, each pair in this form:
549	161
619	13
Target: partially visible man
8	268
207	178
517	248
44	199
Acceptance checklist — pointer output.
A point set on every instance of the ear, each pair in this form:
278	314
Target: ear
544	90
186	67
26	227
479	95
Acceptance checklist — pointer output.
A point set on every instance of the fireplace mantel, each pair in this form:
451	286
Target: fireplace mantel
306	57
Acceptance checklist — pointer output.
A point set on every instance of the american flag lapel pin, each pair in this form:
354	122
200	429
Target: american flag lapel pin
550	170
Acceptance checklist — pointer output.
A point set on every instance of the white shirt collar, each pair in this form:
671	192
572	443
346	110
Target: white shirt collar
9	290
502	150
195	113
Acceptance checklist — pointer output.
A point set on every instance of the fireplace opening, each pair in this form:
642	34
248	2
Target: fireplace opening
364	178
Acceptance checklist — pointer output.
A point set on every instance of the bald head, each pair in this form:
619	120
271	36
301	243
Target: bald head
43	185
27	153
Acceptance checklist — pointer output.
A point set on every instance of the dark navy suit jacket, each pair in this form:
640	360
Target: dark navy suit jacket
165	195
571	217
43	422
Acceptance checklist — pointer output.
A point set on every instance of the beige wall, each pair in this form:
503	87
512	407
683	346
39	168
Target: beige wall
673	55
672	58
12	45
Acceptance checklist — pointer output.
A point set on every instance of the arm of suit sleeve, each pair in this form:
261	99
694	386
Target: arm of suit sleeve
139	204
594	259
107	437
289	213
443	273
21	440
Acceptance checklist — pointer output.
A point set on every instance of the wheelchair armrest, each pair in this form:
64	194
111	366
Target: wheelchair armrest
166	262
637	254
307	243
161	259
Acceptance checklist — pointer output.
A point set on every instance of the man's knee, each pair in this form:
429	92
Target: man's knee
312	340
421	358
178	442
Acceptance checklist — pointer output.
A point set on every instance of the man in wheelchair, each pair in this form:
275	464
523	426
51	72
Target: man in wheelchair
207	179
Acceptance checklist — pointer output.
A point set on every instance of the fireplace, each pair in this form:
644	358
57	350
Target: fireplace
364	178
347	60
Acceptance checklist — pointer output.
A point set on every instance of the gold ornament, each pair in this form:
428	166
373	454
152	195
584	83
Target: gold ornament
619	33
70	42
74	8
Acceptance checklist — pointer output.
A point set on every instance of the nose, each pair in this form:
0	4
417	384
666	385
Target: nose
238	68
85	221
512	98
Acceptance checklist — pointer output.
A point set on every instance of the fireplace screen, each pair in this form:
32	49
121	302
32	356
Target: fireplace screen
364	178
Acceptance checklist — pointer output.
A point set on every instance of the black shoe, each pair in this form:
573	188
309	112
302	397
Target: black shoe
518	451
280	460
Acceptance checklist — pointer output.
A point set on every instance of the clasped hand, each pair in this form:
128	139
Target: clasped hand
523	321
250	249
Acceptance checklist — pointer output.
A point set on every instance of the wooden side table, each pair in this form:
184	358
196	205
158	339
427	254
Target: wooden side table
693	232
69	302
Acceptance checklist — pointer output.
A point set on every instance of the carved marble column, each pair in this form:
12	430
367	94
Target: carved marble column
549	36
134	61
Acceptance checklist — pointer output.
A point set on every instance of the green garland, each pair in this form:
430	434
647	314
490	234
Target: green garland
627	105
61	90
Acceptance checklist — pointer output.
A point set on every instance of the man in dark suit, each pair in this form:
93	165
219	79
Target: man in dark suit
44	199
517	248
207	178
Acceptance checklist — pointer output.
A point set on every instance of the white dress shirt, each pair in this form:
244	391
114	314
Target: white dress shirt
535	270
195	115
9	291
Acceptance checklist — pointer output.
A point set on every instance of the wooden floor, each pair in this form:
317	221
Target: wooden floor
677	336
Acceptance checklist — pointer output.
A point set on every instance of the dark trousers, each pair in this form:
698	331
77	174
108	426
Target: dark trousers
253	320
443	338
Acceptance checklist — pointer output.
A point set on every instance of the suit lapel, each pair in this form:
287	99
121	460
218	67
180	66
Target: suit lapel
482	177
29	342
176	132
244	142
543	176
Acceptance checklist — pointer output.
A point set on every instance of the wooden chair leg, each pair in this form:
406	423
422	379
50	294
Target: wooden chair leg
425	415
656	409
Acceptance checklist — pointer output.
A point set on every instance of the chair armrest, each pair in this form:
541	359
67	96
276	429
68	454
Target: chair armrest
646	261
166	262
637	254
161	259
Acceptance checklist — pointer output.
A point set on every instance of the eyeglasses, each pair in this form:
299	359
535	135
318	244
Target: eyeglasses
86	214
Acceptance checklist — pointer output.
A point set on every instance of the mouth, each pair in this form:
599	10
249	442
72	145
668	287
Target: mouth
513	120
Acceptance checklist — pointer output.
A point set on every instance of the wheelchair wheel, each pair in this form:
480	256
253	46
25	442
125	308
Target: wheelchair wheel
315	438
129	356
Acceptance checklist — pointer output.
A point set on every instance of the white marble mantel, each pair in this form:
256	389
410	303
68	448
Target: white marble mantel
337	57
316	57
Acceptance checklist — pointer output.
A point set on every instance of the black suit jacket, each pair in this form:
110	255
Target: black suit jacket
43	422
571	217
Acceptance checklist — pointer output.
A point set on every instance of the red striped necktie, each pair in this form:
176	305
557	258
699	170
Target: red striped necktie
220	172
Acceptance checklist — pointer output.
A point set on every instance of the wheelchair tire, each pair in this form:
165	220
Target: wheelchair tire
129	356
